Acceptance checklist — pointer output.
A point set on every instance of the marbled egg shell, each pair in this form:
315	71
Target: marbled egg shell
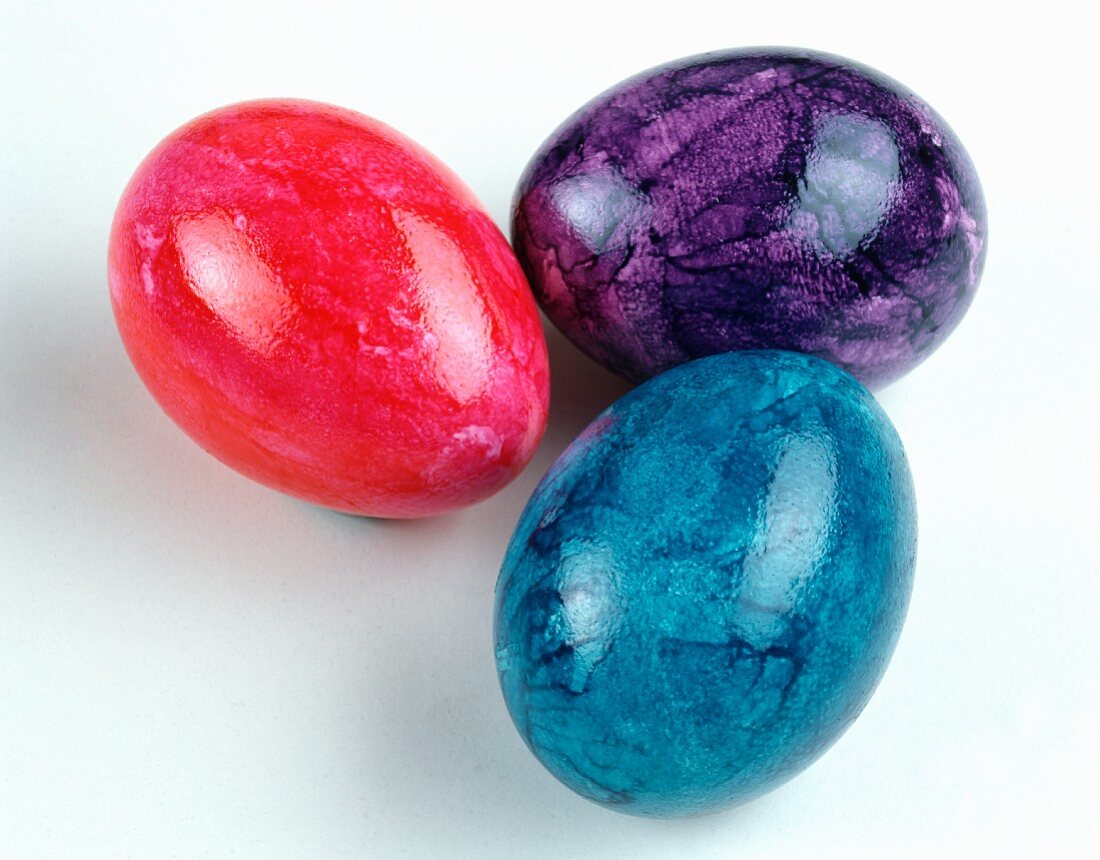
753	199
707	586
325	307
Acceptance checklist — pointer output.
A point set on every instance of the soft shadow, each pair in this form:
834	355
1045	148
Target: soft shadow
579	390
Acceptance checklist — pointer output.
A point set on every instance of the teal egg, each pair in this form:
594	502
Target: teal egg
705	589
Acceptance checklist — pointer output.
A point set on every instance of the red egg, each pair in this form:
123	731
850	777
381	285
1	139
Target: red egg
325	307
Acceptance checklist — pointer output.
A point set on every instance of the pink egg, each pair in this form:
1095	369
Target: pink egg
326	308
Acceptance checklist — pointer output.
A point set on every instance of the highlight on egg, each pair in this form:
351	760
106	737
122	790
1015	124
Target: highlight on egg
325	307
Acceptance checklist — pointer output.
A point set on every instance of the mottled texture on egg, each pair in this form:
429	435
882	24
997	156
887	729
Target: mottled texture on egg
707	586
753	199
325	307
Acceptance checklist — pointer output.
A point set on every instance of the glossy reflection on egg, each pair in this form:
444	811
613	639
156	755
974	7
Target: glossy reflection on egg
706	587
325	307
753	199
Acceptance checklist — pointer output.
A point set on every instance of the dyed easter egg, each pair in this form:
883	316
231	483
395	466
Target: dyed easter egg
325	307
753	199
706	587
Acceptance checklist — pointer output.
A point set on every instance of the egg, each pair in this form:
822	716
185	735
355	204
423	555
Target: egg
324	306
753	199
706	587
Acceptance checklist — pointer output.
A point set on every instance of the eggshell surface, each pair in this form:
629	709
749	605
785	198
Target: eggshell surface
706	587
325	307
754	199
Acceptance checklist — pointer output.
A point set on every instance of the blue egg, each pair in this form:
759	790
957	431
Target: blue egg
706	587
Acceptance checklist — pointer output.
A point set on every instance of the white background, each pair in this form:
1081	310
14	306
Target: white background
194	666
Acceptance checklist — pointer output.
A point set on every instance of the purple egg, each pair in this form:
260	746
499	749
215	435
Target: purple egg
753	199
